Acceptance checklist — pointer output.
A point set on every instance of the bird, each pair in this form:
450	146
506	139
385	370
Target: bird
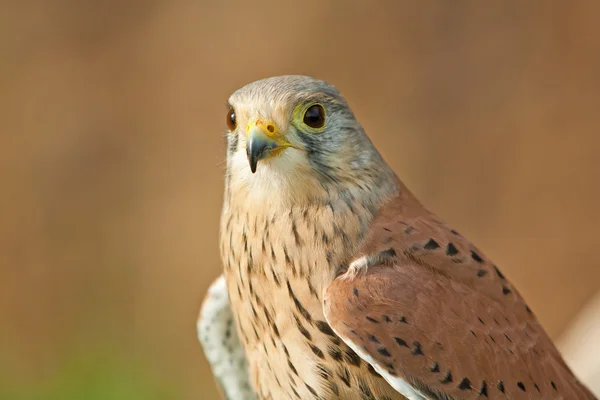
338	283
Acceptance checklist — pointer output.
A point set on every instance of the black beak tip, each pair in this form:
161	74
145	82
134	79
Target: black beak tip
258	148
252	160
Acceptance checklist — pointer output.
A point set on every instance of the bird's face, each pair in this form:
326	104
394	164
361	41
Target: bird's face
268	136
294	137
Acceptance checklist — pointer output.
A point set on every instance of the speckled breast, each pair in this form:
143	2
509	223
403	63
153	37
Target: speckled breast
276	268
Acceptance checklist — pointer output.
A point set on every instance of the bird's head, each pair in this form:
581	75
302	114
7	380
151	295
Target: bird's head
295	138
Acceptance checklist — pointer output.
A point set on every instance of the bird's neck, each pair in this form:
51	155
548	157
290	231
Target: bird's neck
315	235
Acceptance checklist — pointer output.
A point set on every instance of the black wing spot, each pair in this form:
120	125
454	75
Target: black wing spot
447	378
451	250
417	350
500	275
403	320
372	338
481	273
391	370
383	351
501	386
483	391
505	290
476	257
387	254
431	245
435	367
355	291
521	386
372	320
465	384
400	342
386	318
553	385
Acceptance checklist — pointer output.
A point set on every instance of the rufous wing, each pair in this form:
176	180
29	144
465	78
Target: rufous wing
438	320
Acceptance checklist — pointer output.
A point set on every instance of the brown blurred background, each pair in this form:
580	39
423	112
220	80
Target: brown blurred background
111	161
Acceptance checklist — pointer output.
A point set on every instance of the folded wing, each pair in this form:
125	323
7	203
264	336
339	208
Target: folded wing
438	320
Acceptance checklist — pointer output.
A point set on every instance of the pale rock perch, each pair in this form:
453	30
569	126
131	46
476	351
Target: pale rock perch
339	284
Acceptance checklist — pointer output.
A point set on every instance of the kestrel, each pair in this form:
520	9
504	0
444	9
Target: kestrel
339	284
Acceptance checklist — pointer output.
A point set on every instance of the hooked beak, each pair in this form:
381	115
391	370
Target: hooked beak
264	141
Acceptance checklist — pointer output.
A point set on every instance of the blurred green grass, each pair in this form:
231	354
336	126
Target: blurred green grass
93	375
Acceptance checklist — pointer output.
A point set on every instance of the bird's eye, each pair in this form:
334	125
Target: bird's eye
314	116
231	119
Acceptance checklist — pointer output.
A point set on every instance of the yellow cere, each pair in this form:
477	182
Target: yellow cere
268	127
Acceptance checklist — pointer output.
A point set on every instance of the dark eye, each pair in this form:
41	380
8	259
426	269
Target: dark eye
231	120
314	116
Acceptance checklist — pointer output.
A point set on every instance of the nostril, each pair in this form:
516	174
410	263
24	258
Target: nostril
271	128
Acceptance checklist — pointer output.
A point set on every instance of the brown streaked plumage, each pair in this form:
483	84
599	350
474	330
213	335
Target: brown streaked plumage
343	286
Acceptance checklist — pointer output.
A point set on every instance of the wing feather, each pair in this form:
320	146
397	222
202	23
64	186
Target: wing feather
438	320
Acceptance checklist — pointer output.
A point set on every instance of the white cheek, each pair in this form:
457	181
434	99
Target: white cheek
279	178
